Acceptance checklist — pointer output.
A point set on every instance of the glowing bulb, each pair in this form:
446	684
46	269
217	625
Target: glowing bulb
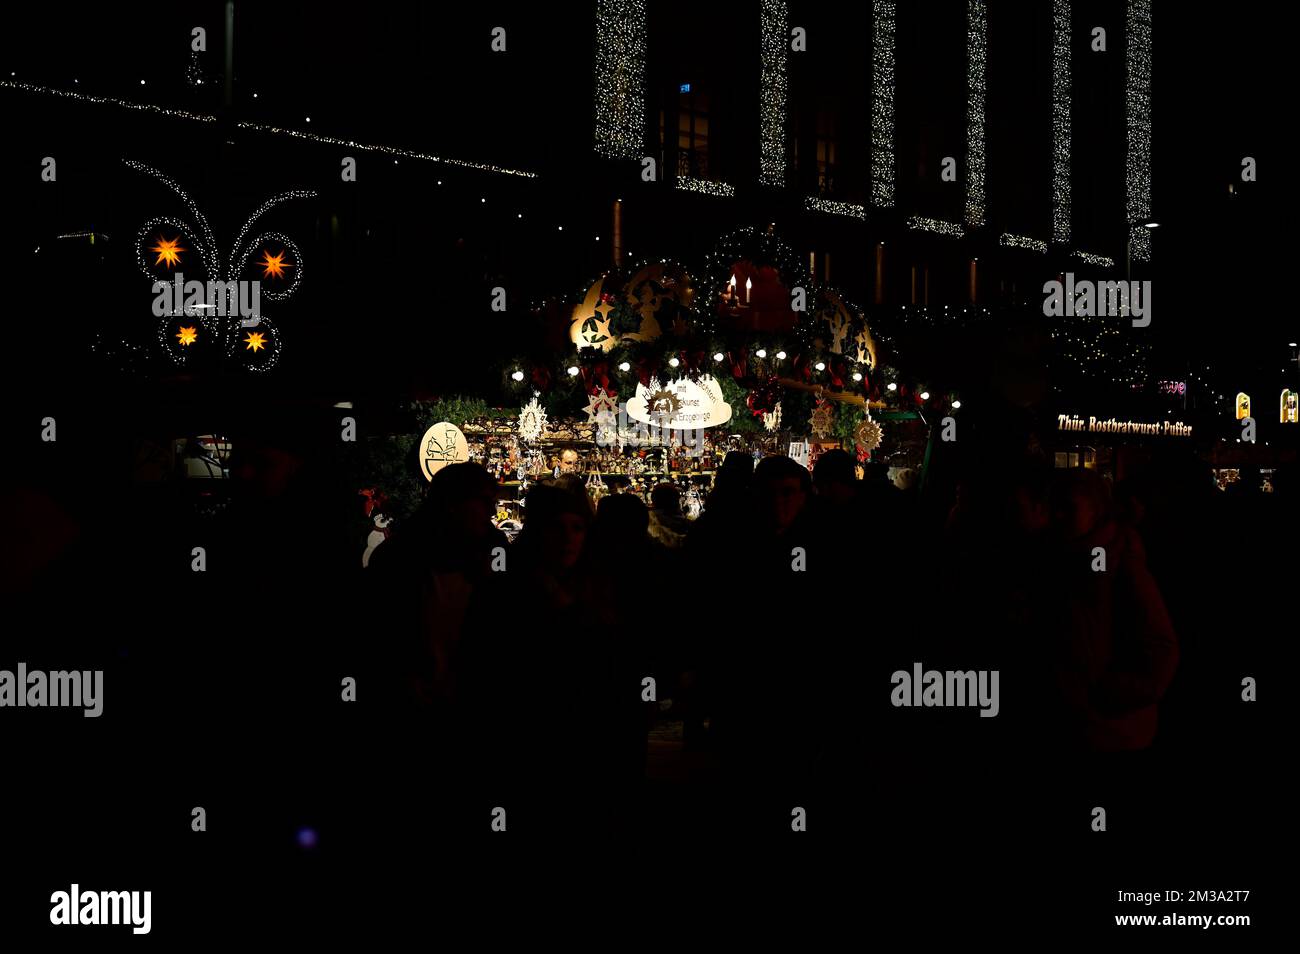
719	356
780	355
820	365
625	366
573	371
673	362
891	386
956	405
857	375
761	352
518	375
925	395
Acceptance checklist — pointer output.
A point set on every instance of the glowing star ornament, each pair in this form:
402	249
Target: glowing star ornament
273	266
168	251
601	406
868	435
207	263
188	335
532	420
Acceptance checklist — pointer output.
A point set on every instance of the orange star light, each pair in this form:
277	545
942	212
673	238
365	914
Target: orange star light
168	251
273	266
188	335
255	341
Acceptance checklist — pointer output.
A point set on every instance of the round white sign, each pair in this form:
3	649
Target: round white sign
441	445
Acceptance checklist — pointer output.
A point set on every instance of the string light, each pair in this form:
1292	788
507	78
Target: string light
1137	92
1022	241
772	107
937	226
761	352
275	130
976	59
780	356
882	103
831	207
387	150
705	186
1099	260
108	101
620	78
517	376
1061	191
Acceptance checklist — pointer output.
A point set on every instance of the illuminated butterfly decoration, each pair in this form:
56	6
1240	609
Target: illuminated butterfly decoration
210	316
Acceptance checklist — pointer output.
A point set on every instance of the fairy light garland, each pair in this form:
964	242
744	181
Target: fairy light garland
976	61
1061	190
262	340
1137	92
832	207
620	78
1010	240
387	150
275	130
921	223
107	101
705	186
1091	259
775	94
882	103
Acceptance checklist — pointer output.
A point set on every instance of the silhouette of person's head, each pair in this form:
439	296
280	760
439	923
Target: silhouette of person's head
555	525
1080	503
666	498
835	477
462	497
781	489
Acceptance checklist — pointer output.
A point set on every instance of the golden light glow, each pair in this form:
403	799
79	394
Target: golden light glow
188	335
273	266
255	341
168	251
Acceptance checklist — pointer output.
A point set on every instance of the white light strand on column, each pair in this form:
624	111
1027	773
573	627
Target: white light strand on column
977	26
1061	208
775	93
882	103
620	78
1137	91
